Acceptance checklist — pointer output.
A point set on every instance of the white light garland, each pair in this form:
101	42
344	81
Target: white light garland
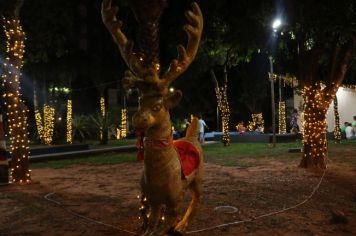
69	122
282	129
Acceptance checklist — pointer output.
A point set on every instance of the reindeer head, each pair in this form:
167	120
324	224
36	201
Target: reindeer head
153	110
155	100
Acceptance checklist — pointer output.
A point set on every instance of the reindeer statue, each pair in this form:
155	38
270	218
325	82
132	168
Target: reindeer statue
164	180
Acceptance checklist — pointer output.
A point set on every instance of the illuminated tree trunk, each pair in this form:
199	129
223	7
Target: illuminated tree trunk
314	141
104	120
337	132
319	90
16	110
223	105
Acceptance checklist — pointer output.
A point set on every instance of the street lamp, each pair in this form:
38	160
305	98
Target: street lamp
275	25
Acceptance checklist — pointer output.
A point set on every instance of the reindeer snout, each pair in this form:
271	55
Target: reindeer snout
141	120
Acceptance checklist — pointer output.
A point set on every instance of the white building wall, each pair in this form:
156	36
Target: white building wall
347	107
346	103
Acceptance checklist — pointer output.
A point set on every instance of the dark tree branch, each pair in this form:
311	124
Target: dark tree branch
213	76
336	50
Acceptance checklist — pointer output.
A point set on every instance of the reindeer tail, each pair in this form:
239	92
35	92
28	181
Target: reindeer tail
193	128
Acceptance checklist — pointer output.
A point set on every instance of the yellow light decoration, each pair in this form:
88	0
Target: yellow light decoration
257	123
102	106
118	133
337	131
102	111
351	87
39	123
287	79
282	128
224	109
123	133
48	113
302	122
69	122
16	110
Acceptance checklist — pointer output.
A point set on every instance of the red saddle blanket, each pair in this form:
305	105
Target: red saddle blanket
188	156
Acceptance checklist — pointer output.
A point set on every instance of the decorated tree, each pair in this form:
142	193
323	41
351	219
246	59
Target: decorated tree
321	42
16	110
223	106
226	46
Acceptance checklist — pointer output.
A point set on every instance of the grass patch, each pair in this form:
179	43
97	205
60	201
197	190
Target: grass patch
112	143
248	154
242	155
104	159
95	143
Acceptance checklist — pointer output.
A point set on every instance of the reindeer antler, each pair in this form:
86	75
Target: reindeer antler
108	14
186	55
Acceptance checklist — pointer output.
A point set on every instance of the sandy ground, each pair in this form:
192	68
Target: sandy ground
108	194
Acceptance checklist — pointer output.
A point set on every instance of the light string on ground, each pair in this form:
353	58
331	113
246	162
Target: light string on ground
264	215
204	229
47	197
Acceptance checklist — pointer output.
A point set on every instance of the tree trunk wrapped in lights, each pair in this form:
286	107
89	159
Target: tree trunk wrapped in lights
314	140
337	131
319	89
223	105
45	125
102	105
123	130
282	129
48	120
103	119
69	122
16	110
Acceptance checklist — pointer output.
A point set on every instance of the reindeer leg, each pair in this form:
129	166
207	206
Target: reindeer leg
196	188
153	219
169	221
144	209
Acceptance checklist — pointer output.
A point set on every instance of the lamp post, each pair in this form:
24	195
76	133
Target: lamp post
272	101
275	25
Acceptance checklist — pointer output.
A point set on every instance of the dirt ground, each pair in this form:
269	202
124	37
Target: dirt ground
78	195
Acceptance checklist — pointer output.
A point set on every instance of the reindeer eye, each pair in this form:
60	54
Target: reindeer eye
157	108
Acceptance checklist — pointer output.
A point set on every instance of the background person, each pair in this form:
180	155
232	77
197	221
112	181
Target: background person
294	122
349	132
202	126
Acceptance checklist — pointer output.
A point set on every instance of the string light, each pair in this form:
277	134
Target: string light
287	79
69	122
282	128
102	106
302	122
351	87
102	111
337	131
224	109
16	111
39	123
123	132
45	127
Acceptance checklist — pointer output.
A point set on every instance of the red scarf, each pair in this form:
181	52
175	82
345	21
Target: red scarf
140	145
143	142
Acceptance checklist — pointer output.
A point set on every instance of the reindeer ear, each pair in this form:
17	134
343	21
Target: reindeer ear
172	99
